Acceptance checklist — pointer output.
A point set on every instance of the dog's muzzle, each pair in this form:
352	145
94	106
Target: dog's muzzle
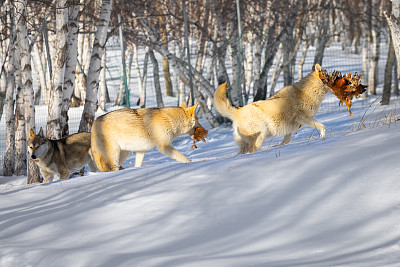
34	158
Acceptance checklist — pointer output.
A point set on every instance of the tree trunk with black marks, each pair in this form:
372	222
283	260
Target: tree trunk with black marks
92	83
53	127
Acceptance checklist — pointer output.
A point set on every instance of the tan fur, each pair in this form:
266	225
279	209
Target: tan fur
289	109
119	132
62	156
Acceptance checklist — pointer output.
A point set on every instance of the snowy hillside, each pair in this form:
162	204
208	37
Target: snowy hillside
313	202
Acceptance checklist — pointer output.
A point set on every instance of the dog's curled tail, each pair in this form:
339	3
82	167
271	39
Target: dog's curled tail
222	103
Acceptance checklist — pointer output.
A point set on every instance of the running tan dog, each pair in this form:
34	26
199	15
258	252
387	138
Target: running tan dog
63	156
119	132
289	109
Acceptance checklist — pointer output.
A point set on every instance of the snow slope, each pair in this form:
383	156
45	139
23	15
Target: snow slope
313	202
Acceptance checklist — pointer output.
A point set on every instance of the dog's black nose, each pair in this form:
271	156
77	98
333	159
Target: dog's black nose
33	157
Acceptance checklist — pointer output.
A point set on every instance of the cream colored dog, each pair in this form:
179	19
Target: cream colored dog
289	109
119	132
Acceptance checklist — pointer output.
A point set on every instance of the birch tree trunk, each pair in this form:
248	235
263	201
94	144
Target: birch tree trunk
80	79
270	52
129	65
373	67
9	157
257	63
92	84
364	65
53	129
387	86
376	39
275	74
233	52
37	56
396	80
26	83
70	67
156	75
302	60
322	41
394	26
141	80
103	85
121	96
20	136
47	63
167	74
248	65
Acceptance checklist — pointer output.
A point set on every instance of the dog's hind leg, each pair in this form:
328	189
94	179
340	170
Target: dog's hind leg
256	142
122	156
112	155
100	162
242	141
139	158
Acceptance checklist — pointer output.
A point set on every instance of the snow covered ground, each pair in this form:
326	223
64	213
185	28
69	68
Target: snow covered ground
314	202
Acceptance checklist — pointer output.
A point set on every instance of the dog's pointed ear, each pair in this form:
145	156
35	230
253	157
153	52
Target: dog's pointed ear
32	134
193	108
183	104
41	132
317	68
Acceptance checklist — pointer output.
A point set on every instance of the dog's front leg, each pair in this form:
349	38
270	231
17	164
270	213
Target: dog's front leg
171	152
315	124
64	174
139	158
286	139
47	176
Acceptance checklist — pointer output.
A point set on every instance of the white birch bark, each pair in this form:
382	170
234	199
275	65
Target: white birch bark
302	60
26	83
373	67
141	80
47	60
20	137
323	39
129	65
275	74
53	129
70	67
156	76
79	77
248	64
233	53
39	67
104	98
92	83
257	62
121	96
373	75
394	26
9	157
387	84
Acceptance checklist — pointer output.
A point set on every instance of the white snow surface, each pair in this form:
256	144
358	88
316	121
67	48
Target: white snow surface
331	201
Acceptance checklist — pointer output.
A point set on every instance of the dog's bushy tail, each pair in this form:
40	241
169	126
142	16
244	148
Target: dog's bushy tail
222	103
